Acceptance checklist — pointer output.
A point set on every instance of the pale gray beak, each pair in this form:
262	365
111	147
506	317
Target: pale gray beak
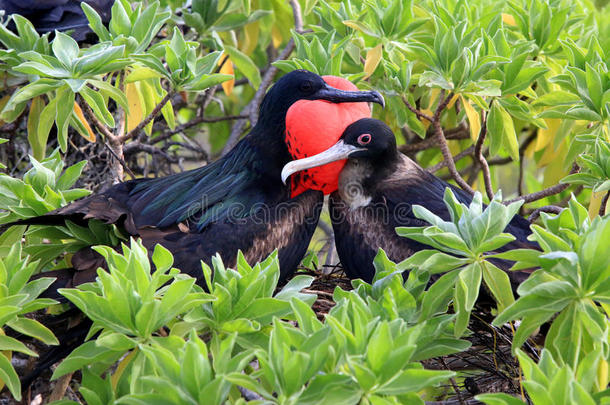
338	151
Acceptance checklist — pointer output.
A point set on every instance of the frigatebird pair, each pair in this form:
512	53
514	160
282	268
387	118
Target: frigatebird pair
237	202
376	189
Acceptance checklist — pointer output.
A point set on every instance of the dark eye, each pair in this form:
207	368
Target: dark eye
364	139
306	86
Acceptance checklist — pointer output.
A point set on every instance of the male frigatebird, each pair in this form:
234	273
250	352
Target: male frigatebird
238	202
376	188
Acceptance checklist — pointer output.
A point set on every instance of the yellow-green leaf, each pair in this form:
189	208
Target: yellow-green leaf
474	119
373	57
227	69
135	114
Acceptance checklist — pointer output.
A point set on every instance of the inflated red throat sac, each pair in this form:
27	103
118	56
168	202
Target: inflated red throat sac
312	126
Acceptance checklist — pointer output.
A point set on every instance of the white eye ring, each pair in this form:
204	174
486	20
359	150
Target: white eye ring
364	139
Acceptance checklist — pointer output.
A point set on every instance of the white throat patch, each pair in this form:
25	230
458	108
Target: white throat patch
350	184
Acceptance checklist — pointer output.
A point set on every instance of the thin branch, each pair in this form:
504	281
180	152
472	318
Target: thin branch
415	111
430	142
478	155
556	189
121	162
547	208
466	152
602	207
442	142
298	17
98	124
195	121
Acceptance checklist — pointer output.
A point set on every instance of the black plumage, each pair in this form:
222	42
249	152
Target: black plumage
60	15
236	203
377	189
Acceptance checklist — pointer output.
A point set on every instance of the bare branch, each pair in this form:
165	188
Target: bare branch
118	174
549	191
478	155
430	142
415	111
298	17
96	122
466	152
554	209
442	142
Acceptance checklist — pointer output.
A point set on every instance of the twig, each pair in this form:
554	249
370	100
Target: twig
98	124
442	142
547	208
602	207
148	118
298	17
453	383
120	160
195	121
415	111
466	152
478	155
431	142
556	189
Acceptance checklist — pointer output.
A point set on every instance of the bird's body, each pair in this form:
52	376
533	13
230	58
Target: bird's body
236	203
377	189
361	229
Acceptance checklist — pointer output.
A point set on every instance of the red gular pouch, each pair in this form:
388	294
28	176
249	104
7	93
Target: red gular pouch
312	126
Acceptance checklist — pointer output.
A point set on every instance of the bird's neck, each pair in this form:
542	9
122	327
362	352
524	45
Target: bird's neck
268	139
360	178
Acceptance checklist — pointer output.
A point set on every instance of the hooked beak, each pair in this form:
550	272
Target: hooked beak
338	151
334	95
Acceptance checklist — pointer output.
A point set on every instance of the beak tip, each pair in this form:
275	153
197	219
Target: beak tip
380	98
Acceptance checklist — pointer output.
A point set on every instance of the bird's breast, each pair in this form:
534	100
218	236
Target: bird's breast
351	184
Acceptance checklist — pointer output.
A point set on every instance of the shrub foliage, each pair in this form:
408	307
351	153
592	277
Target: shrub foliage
512	94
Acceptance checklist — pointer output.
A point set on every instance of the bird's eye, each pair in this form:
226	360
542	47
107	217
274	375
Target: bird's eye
306	86
364	139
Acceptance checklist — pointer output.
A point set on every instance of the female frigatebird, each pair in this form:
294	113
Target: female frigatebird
238	202
374	187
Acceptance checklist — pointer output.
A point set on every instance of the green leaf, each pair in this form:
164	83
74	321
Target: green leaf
414	380
499	284
35	329
10	377
502	131
65	106
499	398
37	144
85	354
245	65
95	22
65	49
9	343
